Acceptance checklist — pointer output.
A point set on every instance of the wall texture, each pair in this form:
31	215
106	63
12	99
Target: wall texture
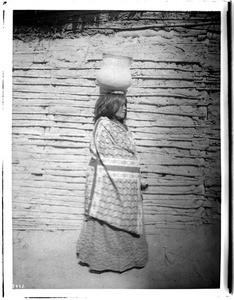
173	111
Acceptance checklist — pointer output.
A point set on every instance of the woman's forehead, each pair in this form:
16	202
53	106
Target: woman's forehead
123	100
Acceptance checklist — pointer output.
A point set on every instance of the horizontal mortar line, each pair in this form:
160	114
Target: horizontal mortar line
40	136
58	154
45	113
29	203
54	69
149	203
55	194
38	159
54	188
45	227
187	97
21	208
165	113
130	21
174	178
48	126
50	168
98	94
179	165
169	126
133	126
42	105
165	78
97	68
192	177
193	184
145	77
50	84
50	229
68	147
195	176
29	209
48	214
59	175
53	197
192	87
155	26
56	140
169	139
84	163
204	71
175	188
45	107
94	86
47	102
173	222
139	28
148	124
28	218
57	93
172	207
28	52
77	115
85	142
80	119
171	182
146	193
142	60
62	147
33	178
84	146
36	223
148	207
75	228
168	20
154	18
41	108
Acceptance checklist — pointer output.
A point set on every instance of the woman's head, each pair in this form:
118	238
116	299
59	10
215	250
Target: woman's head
111	105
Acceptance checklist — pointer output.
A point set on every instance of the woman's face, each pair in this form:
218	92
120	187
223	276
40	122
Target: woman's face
122	111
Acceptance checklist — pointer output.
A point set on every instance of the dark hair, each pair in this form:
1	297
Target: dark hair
107	105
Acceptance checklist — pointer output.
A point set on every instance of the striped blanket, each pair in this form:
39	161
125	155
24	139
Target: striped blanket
113	188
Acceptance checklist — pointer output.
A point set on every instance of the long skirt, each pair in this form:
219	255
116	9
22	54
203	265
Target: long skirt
105	248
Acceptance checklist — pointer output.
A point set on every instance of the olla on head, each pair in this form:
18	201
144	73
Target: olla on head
115	72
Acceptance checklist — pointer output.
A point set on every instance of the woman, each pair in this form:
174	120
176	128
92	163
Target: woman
112	237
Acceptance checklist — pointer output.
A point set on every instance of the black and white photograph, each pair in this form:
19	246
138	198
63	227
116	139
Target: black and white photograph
116	149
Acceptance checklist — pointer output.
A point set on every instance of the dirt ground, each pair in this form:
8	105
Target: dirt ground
178	259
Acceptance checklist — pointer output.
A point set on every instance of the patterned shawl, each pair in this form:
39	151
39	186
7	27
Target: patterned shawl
113	188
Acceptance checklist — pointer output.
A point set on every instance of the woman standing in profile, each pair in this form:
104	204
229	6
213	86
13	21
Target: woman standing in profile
113	236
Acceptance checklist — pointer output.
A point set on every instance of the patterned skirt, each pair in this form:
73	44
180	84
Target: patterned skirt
105	248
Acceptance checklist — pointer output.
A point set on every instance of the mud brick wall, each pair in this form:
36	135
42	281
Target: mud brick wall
173	112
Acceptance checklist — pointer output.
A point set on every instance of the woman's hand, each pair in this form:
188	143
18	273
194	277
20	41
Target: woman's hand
144	184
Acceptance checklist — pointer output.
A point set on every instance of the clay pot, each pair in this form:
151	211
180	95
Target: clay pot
114	74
